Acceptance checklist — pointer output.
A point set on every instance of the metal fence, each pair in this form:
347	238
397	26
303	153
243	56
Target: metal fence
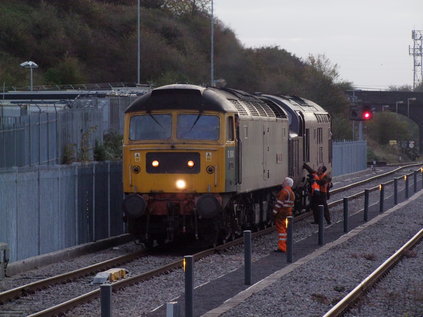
45	136
49	208
349	157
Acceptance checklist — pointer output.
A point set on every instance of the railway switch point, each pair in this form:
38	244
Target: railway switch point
111	275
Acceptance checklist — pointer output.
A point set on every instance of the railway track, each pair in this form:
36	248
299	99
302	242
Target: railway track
63	278
348	301
138	278
66	277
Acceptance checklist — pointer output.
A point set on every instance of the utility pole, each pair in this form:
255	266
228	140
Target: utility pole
417	52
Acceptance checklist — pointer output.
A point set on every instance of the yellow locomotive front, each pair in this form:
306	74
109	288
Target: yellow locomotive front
179	156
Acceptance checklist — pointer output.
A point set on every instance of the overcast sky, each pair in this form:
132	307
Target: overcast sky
367	39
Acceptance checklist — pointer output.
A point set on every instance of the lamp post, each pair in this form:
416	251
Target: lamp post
408	105
31	65
396	105
139	44
212	45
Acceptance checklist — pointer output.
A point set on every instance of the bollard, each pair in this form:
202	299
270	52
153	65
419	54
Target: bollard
189	285
366	205
321	228
345	215
395	191
415	181
406	186
382	197
289	242
106	300
172	309
247	257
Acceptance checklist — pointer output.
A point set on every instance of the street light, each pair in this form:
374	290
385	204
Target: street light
31	65
139	43
396	105
408	105
212	45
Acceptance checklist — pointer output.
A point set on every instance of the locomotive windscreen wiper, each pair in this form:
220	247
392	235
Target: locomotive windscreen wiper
155	120
196	120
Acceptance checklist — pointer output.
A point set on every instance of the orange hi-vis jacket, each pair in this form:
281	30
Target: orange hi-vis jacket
315	187
284	202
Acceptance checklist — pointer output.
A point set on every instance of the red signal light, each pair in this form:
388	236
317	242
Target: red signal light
366	114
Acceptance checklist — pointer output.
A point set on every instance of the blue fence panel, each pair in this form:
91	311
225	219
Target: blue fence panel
27	213
51	227
8	214
116	198
68	204
349	157
101	212
85	204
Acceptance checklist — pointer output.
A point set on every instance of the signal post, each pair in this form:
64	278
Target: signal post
361	113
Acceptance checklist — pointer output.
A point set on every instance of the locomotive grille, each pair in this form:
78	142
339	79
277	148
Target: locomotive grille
239	107
252	109
173	162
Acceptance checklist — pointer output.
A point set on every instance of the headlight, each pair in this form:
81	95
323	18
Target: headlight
155	163
181	184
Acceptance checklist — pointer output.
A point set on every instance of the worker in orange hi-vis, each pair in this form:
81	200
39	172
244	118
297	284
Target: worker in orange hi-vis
283	209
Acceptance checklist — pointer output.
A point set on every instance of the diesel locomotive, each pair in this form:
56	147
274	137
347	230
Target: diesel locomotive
206	161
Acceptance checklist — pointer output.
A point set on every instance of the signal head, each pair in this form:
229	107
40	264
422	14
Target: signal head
366	114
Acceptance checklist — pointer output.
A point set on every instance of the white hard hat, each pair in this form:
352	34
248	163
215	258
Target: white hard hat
289	181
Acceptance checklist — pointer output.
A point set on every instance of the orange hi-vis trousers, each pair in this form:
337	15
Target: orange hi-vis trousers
282	233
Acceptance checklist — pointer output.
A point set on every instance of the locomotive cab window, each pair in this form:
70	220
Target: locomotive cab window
230	129
150	127
198	127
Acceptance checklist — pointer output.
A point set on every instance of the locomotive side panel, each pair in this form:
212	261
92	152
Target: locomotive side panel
264	156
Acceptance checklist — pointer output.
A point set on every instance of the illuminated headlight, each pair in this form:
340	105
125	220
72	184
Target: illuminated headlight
190	163
181	184
155	163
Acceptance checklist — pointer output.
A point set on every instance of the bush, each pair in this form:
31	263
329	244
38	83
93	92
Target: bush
110	149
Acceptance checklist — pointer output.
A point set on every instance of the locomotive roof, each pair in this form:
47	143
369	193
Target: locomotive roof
182	96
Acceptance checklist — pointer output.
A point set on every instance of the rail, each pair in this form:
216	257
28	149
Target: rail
65	277
369	281
66	306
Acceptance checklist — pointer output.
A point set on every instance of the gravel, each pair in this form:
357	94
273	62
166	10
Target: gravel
310	290
313	288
